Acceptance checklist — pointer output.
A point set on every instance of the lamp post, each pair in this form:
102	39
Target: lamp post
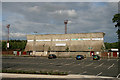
65	22
8	26
34	44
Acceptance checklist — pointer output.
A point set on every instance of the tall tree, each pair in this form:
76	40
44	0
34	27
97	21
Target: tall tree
116	19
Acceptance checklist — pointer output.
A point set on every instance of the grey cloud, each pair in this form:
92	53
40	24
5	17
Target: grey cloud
49	17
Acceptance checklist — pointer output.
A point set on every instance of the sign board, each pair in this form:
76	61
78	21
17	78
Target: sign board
61	39
30	40
60	44
81	39
44	40
74	39
89	47
77	39
7	45
114	49
86	39
97	38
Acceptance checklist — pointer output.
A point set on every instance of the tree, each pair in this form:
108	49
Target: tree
15	44
116	19
67	49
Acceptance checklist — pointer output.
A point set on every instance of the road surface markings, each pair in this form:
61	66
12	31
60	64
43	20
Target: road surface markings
89	64
69	71
83	72
81	63
118	60
111	66
51	63
118	75
82	67
67	64
99	65
99	60
99	74
56	70
108	60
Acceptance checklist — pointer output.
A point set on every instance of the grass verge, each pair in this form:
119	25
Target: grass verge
34	72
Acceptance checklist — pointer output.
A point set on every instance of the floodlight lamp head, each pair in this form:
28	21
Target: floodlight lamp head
65	21
8	25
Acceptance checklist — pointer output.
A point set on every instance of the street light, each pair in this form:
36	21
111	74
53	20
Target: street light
34	44
65	22
8	26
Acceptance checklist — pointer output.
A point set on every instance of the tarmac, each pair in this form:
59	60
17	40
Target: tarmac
87	69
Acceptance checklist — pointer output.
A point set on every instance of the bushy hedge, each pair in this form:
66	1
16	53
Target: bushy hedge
14	44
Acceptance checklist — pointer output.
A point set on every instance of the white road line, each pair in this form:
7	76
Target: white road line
81	63
67	64
84	72
118	60
82	67
99	74
108	60
118	75
50	63
78	64
56	70
69	71
89	64
99	60
111	66
99	65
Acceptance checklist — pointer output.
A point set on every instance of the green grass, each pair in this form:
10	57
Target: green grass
34	72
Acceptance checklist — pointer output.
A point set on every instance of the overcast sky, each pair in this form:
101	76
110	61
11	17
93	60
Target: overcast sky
48	18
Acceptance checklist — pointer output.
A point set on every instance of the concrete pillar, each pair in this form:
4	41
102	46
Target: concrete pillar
45	53
111	54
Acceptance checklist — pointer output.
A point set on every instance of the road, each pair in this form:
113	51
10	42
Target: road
103	67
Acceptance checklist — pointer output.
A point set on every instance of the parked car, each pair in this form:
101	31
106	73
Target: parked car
79	57
96	57
52	56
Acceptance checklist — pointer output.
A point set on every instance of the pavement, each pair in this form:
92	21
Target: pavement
103	67
11	76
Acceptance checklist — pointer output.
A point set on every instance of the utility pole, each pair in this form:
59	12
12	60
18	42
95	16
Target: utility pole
65	22
8	26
